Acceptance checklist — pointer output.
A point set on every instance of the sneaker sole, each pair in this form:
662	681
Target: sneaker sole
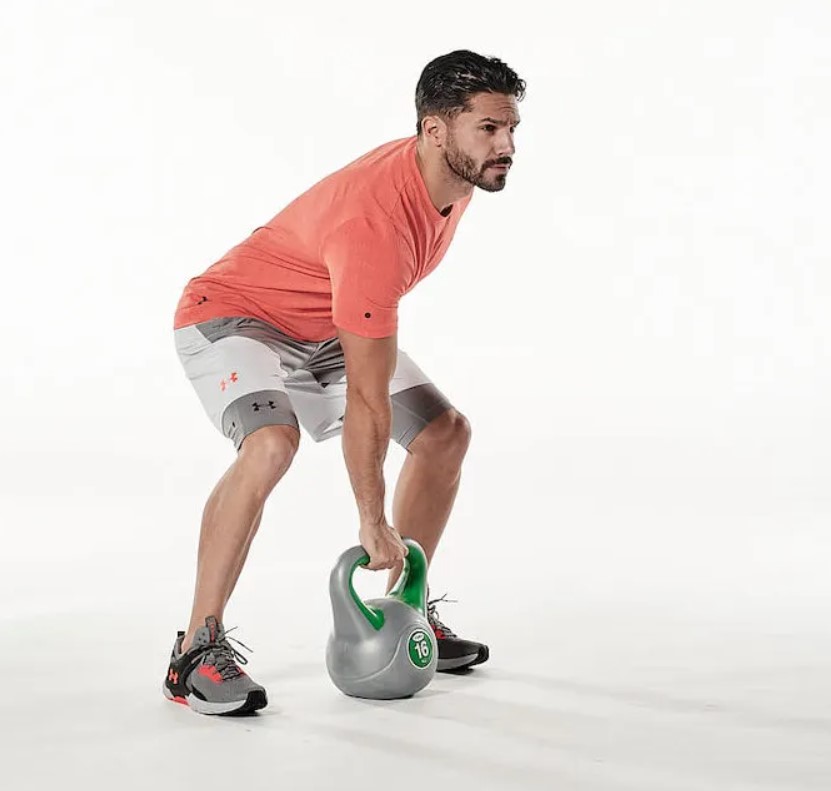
463	662
254	701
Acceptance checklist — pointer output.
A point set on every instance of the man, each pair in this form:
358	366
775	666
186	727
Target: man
298	325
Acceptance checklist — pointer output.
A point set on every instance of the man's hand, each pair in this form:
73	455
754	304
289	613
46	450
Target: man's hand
383	545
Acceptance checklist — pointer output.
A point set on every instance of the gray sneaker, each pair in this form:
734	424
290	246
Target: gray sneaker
208	677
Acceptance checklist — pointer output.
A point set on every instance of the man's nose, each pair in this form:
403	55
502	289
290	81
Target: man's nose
505	144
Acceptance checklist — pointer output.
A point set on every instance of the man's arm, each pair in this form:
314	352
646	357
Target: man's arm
370	364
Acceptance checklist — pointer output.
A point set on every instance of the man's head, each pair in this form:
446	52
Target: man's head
467	107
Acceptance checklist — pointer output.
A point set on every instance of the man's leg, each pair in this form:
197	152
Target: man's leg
238	367
231	518
428	482
244	555
424	497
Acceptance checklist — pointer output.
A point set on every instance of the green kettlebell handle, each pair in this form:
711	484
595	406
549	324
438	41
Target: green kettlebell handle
410	588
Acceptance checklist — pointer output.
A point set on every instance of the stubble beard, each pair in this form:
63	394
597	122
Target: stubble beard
466	169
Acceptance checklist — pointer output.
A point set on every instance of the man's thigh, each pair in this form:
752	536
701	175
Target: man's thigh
238	367
318	395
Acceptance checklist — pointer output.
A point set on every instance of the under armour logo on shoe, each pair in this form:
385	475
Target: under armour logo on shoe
172	676
258	407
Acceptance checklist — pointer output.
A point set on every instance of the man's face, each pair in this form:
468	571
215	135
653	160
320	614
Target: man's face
480	147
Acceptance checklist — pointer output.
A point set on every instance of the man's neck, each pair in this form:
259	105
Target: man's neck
443	186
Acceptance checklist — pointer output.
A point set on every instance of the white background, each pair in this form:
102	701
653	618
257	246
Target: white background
637	327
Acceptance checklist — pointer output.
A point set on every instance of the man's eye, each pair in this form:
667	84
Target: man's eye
489	127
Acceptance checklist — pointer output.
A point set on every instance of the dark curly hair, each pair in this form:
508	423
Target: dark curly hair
448	82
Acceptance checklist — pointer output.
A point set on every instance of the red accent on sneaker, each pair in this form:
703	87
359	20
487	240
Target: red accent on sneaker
209	671
439	633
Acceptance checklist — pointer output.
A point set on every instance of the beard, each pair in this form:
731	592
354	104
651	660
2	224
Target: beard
465	168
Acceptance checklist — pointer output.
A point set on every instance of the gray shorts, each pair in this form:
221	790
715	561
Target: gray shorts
248	374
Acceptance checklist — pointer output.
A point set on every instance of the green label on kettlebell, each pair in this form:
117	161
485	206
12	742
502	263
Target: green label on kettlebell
420	648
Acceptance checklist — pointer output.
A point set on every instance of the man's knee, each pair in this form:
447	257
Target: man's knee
270	451
446	436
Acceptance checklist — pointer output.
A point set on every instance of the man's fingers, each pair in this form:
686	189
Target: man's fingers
388	555
380	563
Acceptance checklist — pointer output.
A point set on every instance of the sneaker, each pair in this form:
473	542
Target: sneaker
454	653
207	677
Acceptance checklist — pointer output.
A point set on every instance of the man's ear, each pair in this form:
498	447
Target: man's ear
434	130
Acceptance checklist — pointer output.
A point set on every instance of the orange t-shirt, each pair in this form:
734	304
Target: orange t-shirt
339	256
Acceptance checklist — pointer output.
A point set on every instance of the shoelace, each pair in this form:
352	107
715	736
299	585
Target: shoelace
226	658
433	617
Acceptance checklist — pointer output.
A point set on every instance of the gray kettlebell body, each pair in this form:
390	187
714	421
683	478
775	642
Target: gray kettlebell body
382	648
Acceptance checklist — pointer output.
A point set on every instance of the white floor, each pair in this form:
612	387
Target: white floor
570	700
649	631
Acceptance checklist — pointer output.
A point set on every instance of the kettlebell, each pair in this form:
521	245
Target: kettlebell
382	648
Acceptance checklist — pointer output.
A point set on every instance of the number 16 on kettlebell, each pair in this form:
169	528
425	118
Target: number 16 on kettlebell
382	648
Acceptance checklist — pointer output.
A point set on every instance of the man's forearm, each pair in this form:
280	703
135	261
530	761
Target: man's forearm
366	437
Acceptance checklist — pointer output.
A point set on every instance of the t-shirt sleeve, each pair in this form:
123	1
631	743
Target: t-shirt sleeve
369	271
